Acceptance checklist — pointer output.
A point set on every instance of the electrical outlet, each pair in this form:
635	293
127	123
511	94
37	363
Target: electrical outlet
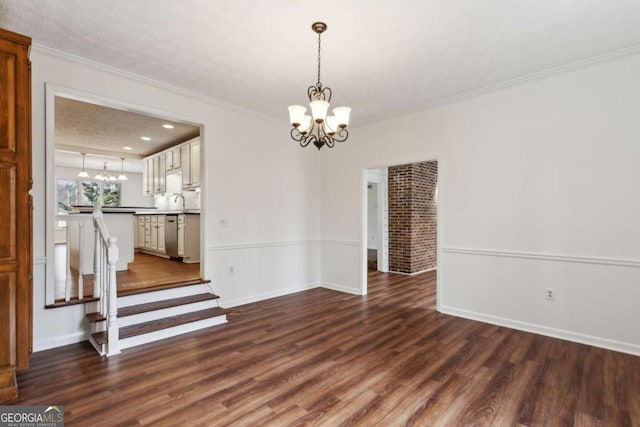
224	223
550	294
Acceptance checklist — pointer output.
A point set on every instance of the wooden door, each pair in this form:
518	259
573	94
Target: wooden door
15	202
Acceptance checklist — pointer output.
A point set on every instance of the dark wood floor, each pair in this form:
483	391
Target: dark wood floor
321	357
145	272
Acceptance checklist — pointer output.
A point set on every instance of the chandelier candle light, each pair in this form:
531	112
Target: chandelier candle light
104	176
122	176
83	173
318	127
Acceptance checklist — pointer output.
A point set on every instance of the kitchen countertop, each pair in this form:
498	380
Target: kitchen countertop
107	209
136	210
167	212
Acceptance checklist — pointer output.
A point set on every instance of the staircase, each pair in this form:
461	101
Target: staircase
155	315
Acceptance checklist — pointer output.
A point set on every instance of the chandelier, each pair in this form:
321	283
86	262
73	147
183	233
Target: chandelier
319	128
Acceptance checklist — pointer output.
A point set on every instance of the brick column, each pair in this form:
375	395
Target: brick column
413	217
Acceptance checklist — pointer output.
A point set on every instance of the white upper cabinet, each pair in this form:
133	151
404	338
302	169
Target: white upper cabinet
190	157
195	163
185	155
184	158
148	183
159	174
172	157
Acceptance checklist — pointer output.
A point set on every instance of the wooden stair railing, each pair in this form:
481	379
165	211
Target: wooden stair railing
105	284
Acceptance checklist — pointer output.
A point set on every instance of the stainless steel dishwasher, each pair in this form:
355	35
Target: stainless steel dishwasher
171	235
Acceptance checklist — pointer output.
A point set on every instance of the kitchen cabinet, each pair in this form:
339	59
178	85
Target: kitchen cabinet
154	234
189	238
172	159
161	248
195	163
190	157
140	232
151	233
183	158
159	174
147	177
147	232
185	155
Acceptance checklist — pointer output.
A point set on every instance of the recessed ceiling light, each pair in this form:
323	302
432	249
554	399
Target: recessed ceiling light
145	138
167	126
127	148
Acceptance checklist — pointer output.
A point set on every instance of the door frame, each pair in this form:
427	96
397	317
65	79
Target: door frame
364	180
53	90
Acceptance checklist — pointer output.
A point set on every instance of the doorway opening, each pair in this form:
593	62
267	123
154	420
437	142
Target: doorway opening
129	157
400	221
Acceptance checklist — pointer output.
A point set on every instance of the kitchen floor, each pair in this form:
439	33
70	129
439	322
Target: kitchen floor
144	273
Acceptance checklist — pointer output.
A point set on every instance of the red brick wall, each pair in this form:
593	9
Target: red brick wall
413	217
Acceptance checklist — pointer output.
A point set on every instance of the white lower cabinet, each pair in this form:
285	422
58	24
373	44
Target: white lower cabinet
189	238
140	232
160	230
150	233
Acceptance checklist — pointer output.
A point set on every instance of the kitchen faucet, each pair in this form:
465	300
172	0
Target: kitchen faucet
176	199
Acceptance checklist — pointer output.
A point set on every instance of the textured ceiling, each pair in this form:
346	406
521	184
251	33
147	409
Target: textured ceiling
91	128
380	57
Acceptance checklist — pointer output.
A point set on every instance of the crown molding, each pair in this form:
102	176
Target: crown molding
46	50
449	99
518	81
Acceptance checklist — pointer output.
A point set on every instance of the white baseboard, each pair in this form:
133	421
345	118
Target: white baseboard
609	344
340	288
59	341
227	303
413	274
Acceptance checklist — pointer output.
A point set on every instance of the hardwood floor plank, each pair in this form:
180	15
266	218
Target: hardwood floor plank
326	358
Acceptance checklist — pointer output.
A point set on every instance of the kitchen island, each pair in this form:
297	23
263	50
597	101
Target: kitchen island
81	239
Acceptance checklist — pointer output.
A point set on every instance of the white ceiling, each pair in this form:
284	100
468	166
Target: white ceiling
90	128
381	57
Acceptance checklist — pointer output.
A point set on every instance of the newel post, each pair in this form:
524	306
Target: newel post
112	318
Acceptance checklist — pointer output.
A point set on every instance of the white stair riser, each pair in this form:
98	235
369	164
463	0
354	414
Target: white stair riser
172	332
99	348
165	312
163	294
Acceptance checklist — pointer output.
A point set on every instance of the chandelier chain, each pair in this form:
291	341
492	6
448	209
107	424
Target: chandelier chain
319	58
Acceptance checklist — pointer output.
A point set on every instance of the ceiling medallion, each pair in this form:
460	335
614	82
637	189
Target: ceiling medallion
319	128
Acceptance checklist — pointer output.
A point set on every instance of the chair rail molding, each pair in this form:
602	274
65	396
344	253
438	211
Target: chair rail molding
544	256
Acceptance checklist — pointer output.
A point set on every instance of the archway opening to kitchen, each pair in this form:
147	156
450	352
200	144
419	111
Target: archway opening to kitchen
142	170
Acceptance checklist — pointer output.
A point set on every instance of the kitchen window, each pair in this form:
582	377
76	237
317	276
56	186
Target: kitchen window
86	193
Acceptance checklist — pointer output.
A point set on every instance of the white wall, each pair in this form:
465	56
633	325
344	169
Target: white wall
538	188
372	216
265	186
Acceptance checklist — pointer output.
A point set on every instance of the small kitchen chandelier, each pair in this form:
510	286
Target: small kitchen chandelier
122	176
104	176
318	127
83	173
